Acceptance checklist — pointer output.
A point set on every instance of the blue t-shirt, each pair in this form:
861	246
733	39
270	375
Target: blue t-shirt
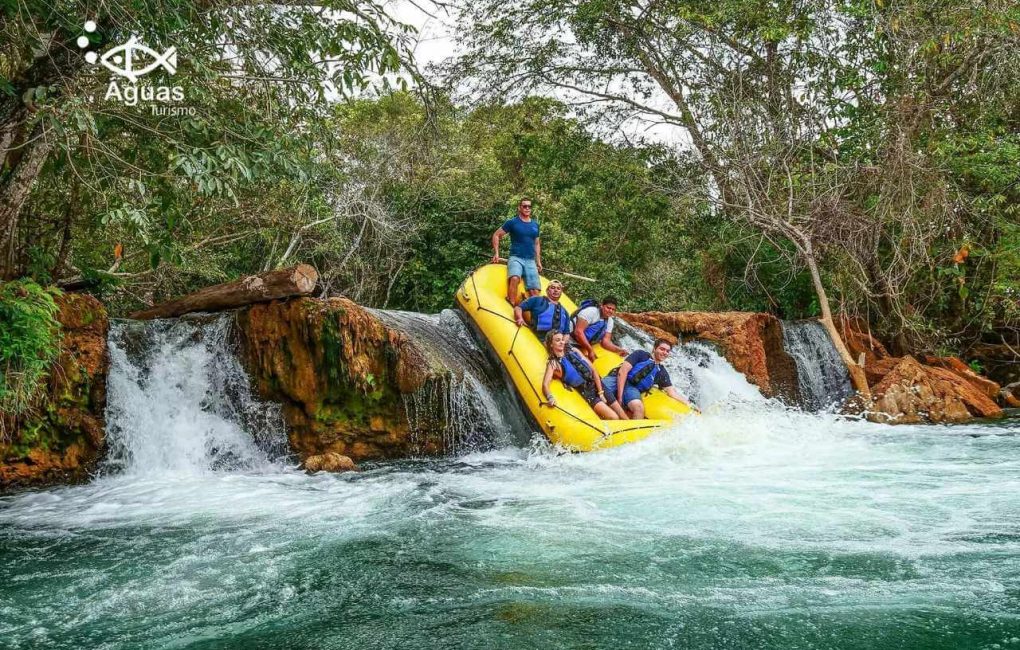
522	237
662	379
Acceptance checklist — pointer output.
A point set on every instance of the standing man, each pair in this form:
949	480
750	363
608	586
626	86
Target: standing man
626	384
593	324
525	252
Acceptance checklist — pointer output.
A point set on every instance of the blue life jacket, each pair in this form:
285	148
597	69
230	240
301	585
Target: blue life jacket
641	376
551	316
575	371
595	331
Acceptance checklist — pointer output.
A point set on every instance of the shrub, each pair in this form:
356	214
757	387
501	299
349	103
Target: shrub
29	342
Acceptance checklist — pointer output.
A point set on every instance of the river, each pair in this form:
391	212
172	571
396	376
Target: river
752	526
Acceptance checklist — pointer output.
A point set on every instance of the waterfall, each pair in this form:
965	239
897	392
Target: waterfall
822	375
696	369
180	402
474	408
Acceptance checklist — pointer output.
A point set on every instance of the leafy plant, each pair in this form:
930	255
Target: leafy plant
29	342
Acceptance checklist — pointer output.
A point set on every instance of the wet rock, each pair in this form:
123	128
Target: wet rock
341	375
751	342
61	438
959	368
330	462
656	332
1009	395
878	369
911	393
859	341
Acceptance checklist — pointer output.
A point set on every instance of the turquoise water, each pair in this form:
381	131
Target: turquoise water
751	527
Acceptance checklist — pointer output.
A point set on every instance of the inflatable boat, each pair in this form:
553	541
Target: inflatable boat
572	423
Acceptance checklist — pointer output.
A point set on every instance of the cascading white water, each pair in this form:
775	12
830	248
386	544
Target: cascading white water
467	408
696	369
821	374
180	402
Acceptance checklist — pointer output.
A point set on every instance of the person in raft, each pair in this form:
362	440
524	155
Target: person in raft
636	376
567	365
525	252
544	313
593	324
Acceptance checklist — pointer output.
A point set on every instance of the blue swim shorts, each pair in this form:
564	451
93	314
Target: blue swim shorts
629	392
522	268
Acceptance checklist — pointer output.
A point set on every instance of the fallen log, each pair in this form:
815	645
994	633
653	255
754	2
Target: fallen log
282	283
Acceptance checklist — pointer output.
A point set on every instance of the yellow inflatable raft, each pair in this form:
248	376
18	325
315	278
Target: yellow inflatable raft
571	423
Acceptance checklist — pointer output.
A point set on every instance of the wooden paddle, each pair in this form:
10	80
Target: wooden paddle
502	260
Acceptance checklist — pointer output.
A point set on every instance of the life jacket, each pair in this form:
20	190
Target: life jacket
550	316
575	371
642	374
595	331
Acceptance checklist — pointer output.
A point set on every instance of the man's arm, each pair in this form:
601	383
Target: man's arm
496	236
538	253
582	341
621	380
607	343
518	315
675	394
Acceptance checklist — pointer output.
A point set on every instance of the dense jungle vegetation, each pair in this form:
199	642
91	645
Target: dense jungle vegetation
858	155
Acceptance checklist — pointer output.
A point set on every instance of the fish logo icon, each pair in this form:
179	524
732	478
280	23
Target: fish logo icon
123	60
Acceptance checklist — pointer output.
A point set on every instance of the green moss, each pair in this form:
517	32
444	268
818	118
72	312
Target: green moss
42	430
333	351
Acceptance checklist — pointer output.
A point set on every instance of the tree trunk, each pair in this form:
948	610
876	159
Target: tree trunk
54	66
282	283
857	377
13	194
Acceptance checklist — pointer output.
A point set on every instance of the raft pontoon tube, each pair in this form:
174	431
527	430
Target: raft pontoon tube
571	424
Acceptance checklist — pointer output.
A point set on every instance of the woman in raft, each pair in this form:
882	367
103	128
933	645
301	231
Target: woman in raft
570	367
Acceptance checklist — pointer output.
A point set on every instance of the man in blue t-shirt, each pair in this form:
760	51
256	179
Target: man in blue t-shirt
525	252
544	313
636	376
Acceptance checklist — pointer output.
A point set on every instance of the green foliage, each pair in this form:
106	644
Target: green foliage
601	212
29	342
257	81
886	132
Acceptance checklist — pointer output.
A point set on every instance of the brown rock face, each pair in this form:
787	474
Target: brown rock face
655	332
914	393
959	368
1001	362
1010	395
62	438
330	462
877	370
751	342
859	341
341	376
